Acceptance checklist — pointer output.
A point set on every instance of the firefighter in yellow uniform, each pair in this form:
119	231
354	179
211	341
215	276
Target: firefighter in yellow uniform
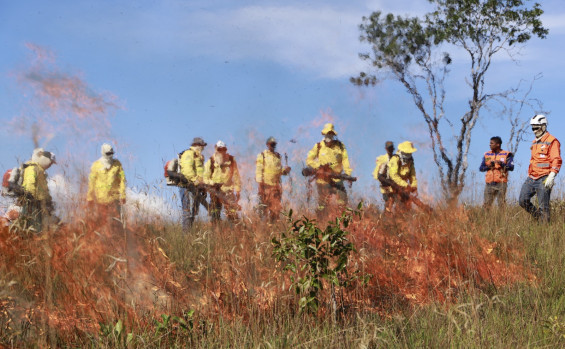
268	172
402	173
36	202
106	186
191	163
222	177
381	172
328	157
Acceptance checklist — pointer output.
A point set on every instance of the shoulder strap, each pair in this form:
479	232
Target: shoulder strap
212	165
263	169
341	146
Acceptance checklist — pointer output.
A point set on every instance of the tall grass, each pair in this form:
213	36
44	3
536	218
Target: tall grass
222	288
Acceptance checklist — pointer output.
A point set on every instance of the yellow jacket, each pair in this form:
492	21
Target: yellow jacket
401	174
268	168
106	186
191	165
335	156
35	181
225	174
382	167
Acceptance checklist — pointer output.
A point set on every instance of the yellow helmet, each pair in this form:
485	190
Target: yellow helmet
406	147
329	128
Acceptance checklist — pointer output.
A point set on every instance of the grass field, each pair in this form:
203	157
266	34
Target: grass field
464	277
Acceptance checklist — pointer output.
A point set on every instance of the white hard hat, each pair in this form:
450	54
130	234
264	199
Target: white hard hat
538	119
220	144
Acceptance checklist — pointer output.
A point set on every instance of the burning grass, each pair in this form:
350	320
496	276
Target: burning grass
65	285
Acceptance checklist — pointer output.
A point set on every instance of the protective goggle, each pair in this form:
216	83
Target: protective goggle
536	127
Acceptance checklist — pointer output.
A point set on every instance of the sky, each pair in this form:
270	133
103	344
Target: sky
151	75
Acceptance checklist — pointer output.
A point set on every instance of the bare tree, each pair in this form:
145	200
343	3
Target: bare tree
410	49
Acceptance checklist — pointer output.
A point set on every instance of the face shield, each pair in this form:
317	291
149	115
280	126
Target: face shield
107	151
539	130
329	137
405	157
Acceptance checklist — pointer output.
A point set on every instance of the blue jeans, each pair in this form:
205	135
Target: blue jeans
191	199
537	187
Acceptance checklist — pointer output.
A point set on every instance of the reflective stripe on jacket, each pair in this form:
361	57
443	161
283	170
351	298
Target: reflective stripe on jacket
268	168
226	174
334	155
546	157
381	168
402	174
106	186
498	174
35	181
192	165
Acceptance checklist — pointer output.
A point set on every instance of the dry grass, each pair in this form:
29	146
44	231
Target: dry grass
462	277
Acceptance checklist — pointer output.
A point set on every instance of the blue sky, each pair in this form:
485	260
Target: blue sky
242	71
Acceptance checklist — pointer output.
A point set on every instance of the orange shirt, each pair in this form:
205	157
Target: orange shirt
546	156
498	173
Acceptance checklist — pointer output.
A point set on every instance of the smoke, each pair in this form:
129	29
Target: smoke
60	104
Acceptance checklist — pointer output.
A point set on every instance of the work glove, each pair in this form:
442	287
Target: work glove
550	180
123	201
237	196
286	170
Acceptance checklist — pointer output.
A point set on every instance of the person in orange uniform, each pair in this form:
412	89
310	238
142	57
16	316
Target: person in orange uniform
496	163
545	163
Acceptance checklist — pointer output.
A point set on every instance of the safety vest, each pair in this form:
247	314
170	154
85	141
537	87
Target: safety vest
192	165
268	168
498	174
35	181
334	155
382	167
546	156
106	186
402	174
226	174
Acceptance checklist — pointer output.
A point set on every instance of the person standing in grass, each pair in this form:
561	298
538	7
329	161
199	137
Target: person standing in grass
496	163
268	172
191	167
329	157
381	174
224	184
36	202
545	164
402	173
106	186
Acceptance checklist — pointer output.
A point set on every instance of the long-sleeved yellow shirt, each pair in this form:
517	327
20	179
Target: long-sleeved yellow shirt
268	168
402	174
381	167
35	181
225	174
334	155
192	165
106	186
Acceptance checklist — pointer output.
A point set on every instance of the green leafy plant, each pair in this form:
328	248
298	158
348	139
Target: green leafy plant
116	333
316	257
170	322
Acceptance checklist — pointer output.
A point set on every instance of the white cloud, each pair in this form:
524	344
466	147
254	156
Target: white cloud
318	37
140	204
